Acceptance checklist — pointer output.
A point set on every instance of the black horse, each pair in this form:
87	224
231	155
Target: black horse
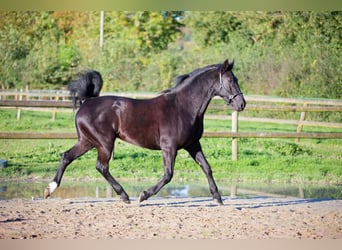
88	84
169	122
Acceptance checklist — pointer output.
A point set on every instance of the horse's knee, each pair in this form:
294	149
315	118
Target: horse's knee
99	167
66	158
167	178
103	169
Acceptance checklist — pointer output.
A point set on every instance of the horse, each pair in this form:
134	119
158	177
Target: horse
88	84
171	121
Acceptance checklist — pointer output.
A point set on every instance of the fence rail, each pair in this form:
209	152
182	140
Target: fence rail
57	101
36	104
254	107
71	135
64	95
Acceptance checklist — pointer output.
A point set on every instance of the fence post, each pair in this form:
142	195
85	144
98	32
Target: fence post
27	89
233	191
300	124
109	192
18	113
97	192
54	114
19	109
234	139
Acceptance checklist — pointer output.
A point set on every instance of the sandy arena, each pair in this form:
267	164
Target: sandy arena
171	218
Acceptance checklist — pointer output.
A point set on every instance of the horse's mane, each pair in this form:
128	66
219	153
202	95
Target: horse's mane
181	79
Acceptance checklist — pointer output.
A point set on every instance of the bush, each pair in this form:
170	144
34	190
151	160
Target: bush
289	54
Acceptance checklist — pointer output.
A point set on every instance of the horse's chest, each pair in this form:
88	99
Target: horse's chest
190	131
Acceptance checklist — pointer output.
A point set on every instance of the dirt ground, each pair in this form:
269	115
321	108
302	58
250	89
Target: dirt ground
171	218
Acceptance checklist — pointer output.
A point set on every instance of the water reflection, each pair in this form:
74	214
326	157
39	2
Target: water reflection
28	190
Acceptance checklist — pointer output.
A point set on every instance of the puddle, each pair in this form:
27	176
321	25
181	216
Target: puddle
28	190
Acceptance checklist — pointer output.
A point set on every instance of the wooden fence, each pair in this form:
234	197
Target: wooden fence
57	101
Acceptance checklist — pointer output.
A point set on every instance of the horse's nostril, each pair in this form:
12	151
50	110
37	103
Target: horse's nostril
243	105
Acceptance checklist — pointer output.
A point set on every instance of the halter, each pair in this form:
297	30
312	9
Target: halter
230	97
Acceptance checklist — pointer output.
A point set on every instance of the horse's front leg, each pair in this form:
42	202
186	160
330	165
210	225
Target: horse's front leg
196	153
169	156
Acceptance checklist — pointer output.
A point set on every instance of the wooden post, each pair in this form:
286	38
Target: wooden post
101	28
233	191
109	192
27	89
97	192
234	139
18	113
301	119
301	192
19	109
54	114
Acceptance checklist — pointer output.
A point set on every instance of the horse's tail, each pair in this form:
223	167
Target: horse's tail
87	85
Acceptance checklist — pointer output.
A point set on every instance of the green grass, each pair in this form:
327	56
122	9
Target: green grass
260	160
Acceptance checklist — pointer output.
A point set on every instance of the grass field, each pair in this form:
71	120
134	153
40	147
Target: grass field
260	160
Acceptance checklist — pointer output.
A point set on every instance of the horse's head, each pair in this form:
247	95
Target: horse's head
229	88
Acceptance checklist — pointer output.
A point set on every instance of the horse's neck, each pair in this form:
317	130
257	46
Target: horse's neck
197	98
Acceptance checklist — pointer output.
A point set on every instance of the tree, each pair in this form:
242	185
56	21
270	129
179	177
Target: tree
155	30
32	52
212	27
21	34
151	30
278	53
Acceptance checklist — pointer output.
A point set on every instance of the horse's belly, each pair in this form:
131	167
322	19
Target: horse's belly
141	143
142	136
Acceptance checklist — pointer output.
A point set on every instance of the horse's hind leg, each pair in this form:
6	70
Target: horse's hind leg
102	165
67	157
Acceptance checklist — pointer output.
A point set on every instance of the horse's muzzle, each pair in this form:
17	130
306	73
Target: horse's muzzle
237	101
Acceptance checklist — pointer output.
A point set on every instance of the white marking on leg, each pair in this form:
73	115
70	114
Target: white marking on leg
52	187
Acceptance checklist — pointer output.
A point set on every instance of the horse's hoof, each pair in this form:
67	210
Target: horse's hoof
219	201
50	189
143	196
47	193
126	201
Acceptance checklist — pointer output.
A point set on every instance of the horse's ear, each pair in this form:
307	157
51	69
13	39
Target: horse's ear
230	66
225	66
